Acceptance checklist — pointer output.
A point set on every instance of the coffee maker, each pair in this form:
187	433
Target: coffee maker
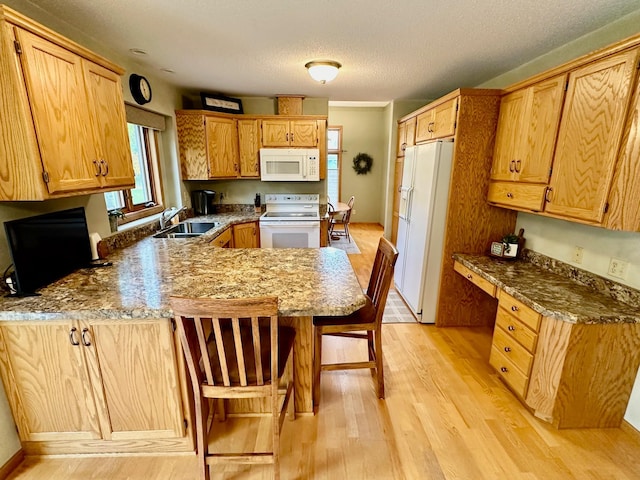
202	202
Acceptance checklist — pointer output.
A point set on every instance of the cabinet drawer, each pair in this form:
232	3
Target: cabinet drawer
516	329
223	239
512	350
517	380
517	195
476	279
525	314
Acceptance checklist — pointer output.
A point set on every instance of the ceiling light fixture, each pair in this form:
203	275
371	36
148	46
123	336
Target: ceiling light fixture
137	51
323	71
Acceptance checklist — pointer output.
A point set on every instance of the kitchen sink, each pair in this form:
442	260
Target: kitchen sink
187	230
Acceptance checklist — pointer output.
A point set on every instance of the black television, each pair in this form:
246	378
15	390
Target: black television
47	247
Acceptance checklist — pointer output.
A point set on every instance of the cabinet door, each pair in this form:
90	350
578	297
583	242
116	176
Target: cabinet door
410	132
540	124
245	235
249	144
222	147
55	86
402	143
590	135
424	126
192	141
109	125
46	380
133	367
512	108
444	119
275	133
303	133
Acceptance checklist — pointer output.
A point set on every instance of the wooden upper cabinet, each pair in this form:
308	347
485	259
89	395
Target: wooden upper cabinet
222	147
192	146
55	85
406	135
590	135
289	133
249	146
109	126
438	122
526	134
62	114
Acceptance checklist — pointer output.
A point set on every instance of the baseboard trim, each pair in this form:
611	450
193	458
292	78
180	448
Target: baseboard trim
628	428
11	464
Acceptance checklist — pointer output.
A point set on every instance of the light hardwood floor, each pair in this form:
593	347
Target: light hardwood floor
446	416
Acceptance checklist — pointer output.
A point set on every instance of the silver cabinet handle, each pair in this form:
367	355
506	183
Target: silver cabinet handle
72	337
511	328
98	168
507	349
104	164
514	308
504	369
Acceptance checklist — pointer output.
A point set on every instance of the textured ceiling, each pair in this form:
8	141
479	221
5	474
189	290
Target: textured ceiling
407	49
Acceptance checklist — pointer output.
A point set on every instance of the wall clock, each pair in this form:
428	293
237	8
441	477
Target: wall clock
140	89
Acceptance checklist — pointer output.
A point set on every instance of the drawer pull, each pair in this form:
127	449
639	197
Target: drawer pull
507	349
85	337
511	328
469	276
514	308
504	369
509	195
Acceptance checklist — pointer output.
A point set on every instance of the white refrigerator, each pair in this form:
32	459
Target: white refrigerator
424	196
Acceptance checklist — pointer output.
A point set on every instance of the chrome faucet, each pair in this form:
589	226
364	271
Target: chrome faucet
168	214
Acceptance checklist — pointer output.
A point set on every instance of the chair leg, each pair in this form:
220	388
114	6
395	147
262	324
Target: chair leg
370	344
379	363
317	364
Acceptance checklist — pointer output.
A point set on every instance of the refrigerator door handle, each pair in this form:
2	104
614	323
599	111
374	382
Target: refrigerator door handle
406	194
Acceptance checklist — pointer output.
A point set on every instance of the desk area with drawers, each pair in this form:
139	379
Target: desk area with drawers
565	341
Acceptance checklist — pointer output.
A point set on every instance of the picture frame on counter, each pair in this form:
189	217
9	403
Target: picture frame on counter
221	103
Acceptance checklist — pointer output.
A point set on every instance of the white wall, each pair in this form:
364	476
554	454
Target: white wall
558	238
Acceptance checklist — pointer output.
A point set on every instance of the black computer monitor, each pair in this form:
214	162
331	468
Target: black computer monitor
47	247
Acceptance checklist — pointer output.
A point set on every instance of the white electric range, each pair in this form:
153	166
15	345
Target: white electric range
291	221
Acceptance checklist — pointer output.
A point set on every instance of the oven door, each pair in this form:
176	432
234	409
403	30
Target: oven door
290	234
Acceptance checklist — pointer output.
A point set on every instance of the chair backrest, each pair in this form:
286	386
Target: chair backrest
330	208
381	276
228	342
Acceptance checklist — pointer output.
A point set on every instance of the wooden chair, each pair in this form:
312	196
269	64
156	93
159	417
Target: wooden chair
235	349
342	222
331	210
367	319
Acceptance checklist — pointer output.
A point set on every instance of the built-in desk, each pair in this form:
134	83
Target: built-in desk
565	343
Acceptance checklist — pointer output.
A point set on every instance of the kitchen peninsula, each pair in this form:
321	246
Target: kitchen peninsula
93	365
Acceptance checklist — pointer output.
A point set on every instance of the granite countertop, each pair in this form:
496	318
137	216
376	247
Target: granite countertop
144	275
552	294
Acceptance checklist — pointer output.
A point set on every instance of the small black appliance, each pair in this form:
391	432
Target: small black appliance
202	201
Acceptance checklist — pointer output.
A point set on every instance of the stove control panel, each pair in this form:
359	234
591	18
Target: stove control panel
290	198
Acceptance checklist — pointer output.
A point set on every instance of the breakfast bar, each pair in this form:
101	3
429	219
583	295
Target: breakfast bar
112	331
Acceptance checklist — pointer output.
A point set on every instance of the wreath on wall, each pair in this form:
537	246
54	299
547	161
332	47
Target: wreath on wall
362	163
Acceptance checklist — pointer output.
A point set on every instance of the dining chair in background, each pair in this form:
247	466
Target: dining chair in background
368	319
340	222
235	349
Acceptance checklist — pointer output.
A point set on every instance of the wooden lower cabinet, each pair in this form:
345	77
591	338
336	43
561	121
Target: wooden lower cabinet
570	375
246	235
95	386
224	240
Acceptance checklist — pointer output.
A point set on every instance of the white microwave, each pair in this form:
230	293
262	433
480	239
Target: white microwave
289	164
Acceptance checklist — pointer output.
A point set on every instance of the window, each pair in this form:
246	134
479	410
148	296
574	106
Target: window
334	160
145	198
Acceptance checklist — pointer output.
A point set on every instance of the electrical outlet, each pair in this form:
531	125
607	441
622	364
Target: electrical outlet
353	211
618	268
577	254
